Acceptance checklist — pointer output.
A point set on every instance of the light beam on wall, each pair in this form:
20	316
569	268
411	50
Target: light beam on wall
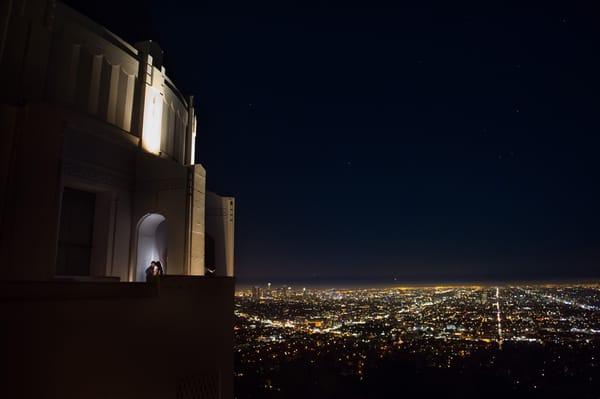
193	146
151	133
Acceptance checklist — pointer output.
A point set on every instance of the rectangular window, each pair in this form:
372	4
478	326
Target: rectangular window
76	231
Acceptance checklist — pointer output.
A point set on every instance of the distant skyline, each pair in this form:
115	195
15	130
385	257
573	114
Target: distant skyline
386	282
362	141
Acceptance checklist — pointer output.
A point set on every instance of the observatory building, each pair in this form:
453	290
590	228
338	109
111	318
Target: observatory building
97	180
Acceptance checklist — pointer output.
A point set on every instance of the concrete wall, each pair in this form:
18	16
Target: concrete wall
197	219
161	187
99	158
49	52
23	66
220	225
8	127
117	340
92	70
72	115
48	148
31	192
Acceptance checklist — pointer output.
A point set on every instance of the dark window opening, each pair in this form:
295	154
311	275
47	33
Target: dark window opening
209	255
75	235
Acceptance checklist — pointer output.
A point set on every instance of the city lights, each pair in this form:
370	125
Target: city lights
446	327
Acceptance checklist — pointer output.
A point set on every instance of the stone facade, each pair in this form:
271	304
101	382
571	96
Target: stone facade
97	179
122	131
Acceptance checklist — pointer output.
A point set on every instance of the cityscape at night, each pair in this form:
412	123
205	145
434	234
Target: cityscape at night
324	199
485	334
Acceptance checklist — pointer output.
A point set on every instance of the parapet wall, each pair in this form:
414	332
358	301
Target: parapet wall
117	340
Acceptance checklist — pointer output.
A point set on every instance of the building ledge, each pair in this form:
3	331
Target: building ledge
77	289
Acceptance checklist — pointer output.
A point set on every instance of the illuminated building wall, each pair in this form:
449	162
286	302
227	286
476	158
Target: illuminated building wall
97	179
128	137
220	223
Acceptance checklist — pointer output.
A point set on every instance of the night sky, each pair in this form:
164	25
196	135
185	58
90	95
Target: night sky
364	142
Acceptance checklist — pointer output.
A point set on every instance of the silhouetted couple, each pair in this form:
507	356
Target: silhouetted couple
154	271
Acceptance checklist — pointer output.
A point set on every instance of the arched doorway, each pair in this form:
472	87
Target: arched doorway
151	243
